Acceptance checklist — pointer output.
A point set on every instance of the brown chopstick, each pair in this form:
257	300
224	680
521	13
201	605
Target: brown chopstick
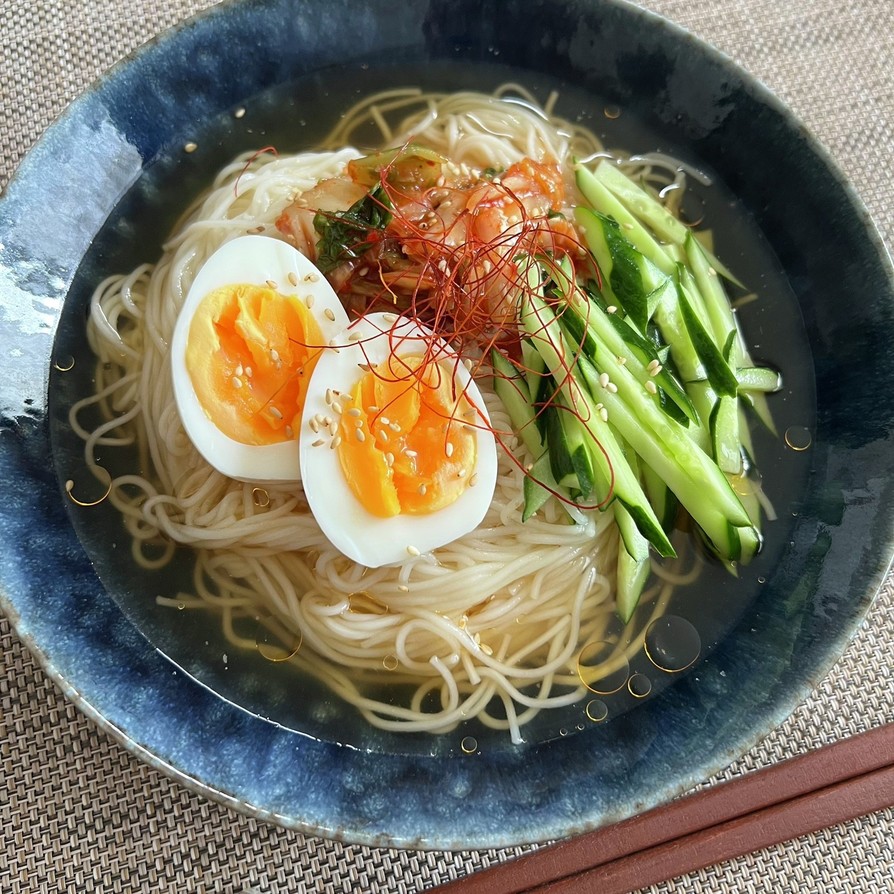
822	788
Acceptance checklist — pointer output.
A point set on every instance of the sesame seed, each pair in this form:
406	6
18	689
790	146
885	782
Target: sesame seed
382	435
422	490
358	423
329	313
394	427
467	363
309	301
403	588
274	355
603	414
413	551
622	361
333	429
318	443
656	370
363	271
449	449
712	271
650	387
293	278
653	364
335	442
461	473
612	387
604	380
372	409
599	406
249	371
355	411
190	147
290	432
354	336
611	309
328	397
236	383
389	459
364	366
384	420
311	277
271	284
411	453
327	420
389	318
628	225
336	406
359	435
314	425
473	480
275	413
239	113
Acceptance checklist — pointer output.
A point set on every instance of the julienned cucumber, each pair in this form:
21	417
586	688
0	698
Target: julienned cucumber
630	390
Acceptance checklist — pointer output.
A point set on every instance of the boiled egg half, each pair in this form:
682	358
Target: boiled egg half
397	454
245	345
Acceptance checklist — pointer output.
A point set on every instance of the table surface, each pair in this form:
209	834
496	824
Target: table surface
79	813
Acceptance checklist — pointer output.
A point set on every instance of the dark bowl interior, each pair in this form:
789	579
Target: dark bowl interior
110	161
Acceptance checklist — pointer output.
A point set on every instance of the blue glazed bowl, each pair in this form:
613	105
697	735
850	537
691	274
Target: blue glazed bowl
114	145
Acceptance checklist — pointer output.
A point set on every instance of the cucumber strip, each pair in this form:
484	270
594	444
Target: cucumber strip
660	496
633	564
534	368
758	378
603	201
512	389
725	435
649	210
716	302
694	478
538	487
606	455
716	368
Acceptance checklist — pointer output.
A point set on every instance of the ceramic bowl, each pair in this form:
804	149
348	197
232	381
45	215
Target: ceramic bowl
106	167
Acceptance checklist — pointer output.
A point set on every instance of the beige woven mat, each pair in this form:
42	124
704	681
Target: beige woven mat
78	813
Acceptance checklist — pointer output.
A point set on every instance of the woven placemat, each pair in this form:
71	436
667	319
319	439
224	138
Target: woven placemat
78	813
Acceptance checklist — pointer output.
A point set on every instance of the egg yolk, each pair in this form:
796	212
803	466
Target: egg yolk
405	446
250	354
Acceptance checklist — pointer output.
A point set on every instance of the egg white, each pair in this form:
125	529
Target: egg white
366	538
252	260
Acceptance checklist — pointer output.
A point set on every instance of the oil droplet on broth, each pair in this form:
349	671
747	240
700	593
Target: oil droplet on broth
798	437
597	710
639	685
390	662
469	745
260	497
275	643
612	112
672	644
65	363
602	668
88	496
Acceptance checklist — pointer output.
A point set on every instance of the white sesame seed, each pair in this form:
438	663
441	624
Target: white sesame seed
329	313
311	277
327	420
422	490
239	370
712	271
335	442
389	318
314	425
309	301
461	473
389	459
336	406
448	449
290	433
403	588
293	278
656	370
411	453
364	366
473	480
333	429
611	309
274	355
359	435
354	336
394	427
384	420
603	414
271	284
651	387
612	387
358	423
236	383
190	147
622	361
355	411
318	443
382	435
275	413
372	409
239	113
604	380
249	371
413	551
328	396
